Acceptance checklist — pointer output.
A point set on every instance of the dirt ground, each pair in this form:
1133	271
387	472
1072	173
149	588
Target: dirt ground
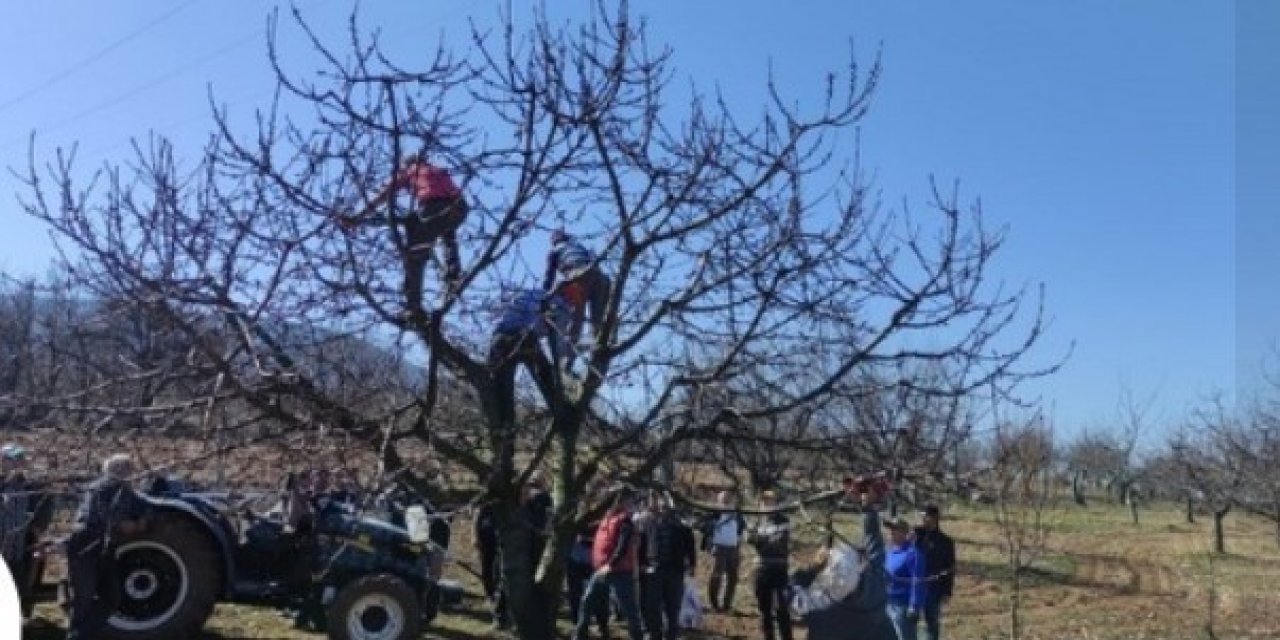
1102	578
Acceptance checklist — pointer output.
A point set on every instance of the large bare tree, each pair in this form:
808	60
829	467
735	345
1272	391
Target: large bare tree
720	268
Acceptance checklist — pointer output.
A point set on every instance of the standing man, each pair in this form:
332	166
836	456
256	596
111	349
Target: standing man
940	560
614	556
574	273
667	554
110	510
771	536
485	534
539	504
721	537
906	569
436	213
578	574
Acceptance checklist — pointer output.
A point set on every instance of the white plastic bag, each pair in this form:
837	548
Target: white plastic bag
690	606
834	583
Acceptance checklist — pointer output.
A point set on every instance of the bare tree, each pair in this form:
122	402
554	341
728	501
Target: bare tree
1112	454
1207	463
1021	462
719	269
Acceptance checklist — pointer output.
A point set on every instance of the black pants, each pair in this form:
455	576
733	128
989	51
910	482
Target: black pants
506	352
595	289
577	575
771	598
95	592
436	220
489	568
664	591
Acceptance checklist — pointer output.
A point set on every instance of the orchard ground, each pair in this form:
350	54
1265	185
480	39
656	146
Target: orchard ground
1102	578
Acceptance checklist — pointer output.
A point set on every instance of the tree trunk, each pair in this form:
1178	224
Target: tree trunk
1276	515
1077	490
1219	545
1191	512
1133	504
523	606
1015	602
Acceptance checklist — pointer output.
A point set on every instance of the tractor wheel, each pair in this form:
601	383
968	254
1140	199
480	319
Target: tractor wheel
168	581
375	607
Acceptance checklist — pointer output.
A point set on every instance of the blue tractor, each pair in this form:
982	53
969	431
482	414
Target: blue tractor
364	576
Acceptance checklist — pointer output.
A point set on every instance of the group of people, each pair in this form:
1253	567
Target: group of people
899	584
573	287
638	556
634	564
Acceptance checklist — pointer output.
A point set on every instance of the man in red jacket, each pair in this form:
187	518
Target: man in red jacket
613	554
437	211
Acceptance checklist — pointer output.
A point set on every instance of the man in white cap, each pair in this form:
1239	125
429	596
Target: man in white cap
110	510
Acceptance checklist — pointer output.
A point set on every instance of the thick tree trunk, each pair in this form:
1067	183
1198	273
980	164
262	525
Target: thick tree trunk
1219	544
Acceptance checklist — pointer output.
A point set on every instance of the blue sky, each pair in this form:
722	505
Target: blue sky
1102	134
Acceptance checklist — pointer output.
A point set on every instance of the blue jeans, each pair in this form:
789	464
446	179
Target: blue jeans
903	625
622	586
933	618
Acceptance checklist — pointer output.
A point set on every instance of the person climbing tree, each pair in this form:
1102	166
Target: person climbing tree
527	316
574	273
437	210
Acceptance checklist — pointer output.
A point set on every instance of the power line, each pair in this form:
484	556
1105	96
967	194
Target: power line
154	82
69	71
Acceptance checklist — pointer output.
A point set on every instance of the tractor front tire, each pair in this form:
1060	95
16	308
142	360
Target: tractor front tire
375	607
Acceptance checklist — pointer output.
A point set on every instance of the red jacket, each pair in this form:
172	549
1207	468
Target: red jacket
615	543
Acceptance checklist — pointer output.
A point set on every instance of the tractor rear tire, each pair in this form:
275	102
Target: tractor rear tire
168	580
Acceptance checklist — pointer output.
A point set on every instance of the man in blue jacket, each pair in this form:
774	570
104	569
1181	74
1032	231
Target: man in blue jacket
525	318
907	588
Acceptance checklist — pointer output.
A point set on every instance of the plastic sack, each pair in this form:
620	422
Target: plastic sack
690	606
838	578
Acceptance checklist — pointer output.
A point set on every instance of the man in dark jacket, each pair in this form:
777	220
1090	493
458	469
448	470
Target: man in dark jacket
940	561
667	553
110	510
771	536
485	534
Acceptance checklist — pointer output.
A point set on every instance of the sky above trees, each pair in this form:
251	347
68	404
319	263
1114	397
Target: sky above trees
1103	135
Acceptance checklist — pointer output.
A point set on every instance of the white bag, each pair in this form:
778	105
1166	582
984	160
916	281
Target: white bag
834	583
690	606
